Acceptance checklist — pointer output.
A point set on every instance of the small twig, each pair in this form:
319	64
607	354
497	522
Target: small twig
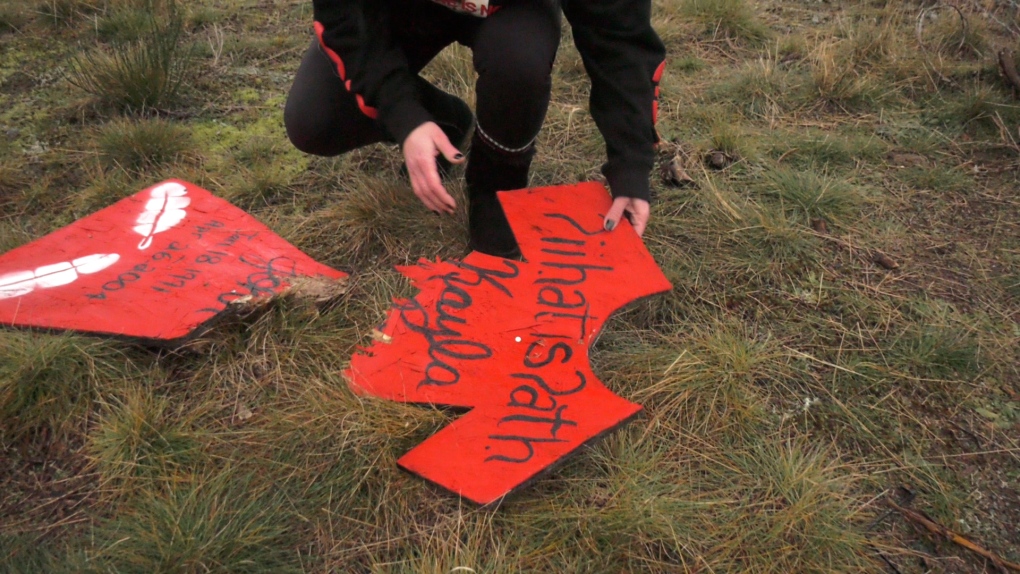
216	41
942	531
907	498
889	563
1004	133
864	254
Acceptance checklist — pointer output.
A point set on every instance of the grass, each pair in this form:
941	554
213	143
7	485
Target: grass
789	382
136	145
141	74
137	436
45	380
220	523
761	90
809	195
728	18
13	18
64	12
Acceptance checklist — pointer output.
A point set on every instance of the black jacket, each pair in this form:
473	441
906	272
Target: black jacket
622	54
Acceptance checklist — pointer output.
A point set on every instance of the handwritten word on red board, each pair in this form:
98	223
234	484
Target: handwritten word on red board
509	340
155	265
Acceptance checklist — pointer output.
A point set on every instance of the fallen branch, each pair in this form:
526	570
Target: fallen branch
938	529
1009	70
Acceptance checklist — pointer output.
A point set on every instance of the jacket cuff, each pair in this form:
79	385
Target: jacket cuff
402	118
629	181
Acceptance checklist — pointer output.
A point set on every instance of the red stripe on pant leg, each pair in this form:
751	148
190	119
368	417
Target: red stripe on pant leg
342	70
319	29
658	72
366	109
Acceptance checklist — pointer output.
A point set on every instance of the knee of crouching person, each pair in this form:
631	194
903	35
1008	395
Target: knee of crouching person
301	131
529	75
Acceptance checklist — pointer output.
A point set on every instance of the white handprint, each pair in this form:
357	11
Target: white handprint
21	283
164	210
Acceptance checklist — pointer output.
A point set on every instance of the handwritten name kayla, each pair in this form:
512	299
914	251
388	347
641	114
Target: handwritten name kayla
538	405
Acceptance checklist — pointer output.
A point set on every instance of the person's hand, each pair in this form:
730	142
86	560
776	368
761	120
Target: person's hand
420	150
637	212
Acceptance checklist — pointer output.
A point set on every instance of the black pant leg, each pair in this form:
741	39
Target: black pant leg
321	116
514	50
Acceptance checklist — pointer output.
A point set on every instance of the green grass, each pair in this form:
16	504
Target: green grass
24	554
13	18
727	18
219	523
148	72
64	12
808	195
135	145
46	380
788	381
762	89
138	436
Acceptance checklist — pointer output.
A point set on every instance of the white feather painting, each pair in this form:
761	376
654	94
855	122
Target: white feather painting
21	283
164	210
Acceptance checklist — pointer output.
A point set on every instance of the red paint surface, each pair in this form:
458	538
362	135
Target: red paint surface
154	265
532	401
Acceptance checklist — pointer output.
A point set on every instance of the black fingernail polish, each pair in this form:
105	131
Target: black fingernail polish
610	224
458	156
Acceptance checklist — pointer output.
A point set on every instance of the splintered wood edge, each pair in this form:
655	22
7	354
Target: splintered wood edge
315	289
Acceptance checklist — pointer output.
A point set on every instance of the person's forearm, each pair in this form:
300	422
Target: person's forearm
624	58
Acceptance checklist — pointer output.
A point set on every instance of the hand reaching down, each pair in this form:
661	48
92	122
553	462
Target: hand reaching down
420	150
637	211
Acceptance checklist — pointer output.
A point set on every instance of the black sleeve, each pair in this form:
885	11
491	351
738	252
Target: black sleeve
624	58
356	36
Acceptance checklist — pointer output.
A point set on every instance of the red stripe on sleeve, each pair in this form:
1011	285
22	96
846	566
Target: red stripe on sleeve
655	100
342	70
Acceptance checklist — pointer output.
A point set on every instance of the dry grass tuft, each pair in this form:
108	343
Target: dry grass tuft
223	522
136	76
139	437
761	88
728	18
64	12
811	195
795	513
138	145
48	383
839	78
717	383
379	217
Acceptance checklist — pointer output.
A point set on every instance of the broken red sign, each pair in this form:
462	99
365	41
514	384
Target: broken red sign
509	340
155	265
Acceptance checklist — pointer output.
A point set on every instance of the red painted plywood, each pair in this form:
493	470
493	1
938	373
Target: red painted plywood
154	265
510	340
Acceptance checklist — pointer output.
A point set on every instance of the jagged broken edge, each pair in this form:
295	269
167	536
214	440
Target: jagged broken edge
299	287
380	338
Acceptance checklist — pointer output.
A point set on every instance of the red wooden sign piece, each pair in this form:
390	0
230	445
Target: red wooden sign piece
509	340
155	265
